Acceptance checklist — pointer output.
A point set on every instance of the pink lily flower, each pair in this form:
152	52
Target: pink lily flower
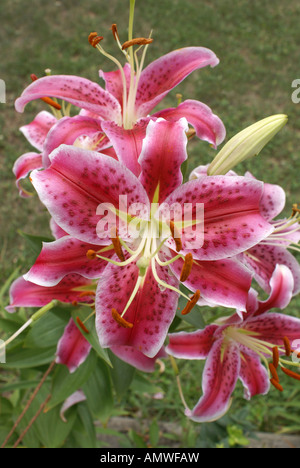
73	348
262	258
138	283
234	348
121	110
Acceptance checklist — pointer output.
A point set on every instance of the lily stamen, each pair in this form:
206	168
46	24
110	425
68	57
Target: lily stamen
191	304
273	371
287	346
117	244
276	385
290	373
120	320
187	267
175	236
81	324
275	356
137	41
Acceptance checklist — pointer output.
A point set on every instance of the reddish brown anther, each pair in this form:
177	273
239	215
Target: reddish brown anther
46	99
187	267
290	373
120	320
81	324
275	356
175	235
273	371
91	254
117	244
191	304
137	41
94	39
276	385
287	346
115	31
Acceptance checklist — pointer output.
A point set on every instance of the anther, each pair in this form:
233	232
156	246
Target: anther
74	303
191	133
275	357
115	31
290	373
94	39
120	320
176	237
116	243
46	99
287	346
87	293
295	209
191	304
81	324
187	267
273	371
276	385
137	41
91	254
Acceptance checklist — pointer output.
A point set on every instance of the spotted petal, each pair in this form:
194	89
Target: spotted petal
207	125
77	182
62	257
219	378
38	129
253	375
114	83
26	294
137	359
72	348
232	219
195	345
23	166
163	152
162	75
78	91
151	312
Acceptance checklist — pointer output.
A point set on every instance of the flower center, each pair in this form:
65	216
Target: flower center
284	230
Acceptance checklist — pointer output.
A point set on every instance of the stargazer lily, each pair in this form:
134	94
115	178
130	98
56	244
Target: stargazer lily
121	110
234	347
138	290
264	256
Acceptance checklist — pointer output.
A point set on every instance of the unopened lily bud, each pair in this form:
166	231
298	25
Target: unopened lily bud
246	144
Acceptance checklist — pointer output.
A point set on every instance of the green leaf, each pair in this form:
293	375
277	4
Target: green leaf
22	385
98	391
46	331
92	336
154	433
138	440
35	242
83	430
64	383
21	358
121	373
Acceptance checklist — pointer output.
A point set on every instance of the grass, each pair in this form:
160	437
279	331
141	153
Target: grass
257	43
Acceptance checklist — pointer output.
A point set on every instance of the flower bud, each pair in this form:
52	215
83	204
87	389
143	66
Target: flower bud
246	144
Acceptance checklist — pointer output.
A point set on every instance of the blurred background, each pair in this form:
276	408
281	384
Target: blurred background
257	43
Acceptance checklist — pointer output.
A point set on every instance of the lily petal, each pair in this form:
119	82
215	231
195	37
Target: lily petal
137	359
151	312
26	294
37	130
77	182
23	166
56	230
68	129
162	75
272	327
114	83
163	152
195	345
219	378
72	348
208	126
262	260
272	201
223	282
127	143
78	91
253	375
62	257
232	219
